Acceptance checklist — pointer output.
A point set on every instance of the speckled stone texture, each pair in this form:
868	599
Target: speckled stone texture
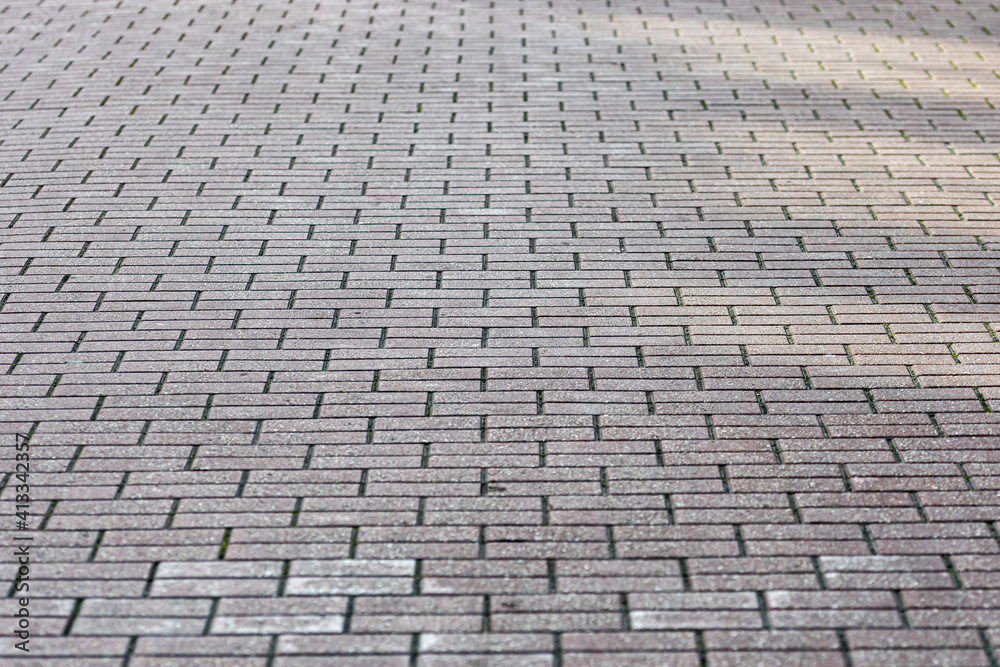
550	334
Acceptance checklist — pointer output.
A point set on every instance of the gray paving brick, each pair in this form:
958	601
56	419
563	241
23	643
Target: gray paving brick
511	333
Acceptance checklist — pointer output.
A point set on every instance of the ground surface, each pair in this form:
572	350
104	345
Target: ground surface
507	333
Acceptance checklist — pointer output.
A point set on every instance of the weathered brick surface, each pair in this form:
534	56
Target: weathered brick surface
560	333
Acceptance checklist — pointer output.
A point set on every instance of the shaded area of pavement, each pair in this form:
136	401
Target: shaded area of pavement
447	333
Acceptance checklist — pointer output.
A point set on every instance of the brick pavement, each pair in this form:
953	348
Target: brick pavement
504	333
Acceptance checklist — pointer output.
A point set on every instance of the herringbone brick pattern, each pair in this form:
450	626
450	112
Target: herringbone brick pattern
476	332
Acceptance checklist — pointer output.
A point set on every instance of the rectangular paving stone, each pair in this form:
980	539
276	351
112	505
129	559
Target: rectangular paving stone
530	333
